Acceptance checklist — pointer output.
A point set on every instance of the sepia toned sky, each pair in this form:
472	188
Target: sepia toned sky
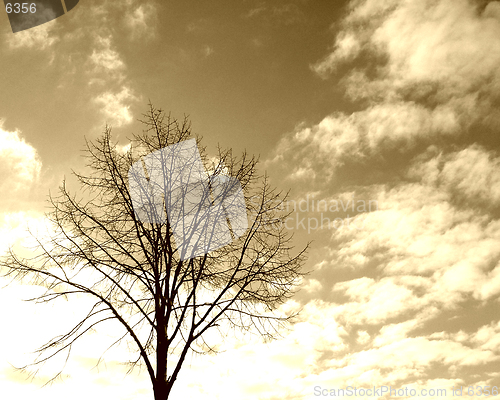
380	116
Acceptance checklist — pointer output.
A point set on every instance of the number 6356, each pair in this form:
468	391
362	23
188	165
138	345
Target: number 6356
18	7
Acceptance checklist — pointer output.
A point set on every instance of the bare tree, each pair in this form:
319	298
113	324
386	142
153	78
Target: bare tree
131	263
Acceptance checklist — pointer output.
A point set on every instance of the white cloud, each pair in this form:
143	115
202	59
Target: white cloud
142	21
472	174
382	127
363	337
20	165
424	41
18	340
427	82
109	76
275	368
321	352
347	47
428	257
124	148
375	302
488	337
405	359
312	285
424	73
14	228
116	106
38	38
392	333
106	60
417	231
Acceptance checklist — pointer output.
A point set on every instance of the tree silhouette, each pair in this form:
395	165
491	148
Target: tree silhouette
136	270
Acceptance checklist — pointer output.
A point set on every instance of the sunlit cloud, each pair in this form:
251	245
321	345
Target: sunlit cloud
116	106
106	58
399	301
142	21
20	166
37	38
18	343
427	85
472	174
428	254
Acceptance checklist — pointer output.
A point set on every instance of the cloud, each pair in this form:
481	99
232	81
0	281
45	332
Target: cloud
20	166
417	231
413	289
38	38
415	65
340	138
22	318
488	336
321	351
472	174
429	261
422	40
105	63
431	48
123	149
272	370
312	285
14	227
406	359
106	59
142	21
108	77
376	302
116	106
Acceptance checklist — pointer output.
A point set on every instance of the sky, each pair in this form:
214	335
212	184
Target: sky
379	116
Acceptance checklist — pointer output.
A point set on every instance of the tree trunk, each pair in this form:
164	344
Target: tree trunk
161	389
